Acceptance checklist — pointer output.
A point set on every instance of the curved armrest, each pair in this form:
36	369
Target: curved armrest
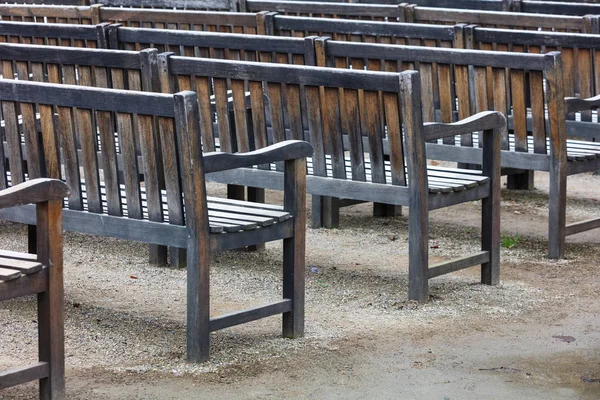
574	104
287	150
482	121
34	191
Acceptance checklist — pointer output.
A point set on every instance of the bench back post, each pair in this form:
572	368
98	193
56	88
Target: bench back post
322	57
112	33
149	72
417	184
558	152
198	250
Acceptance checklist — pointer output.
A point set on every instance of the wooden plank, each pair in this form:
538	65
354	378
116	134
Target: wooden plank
131	172
582	226
458	264
9	274
252	314
25	267
17	376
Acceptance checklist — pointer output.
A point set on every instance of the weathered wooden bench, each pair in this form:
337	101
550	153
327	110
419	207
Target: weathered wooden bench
349	149
23	274
538	139
411	13
181	215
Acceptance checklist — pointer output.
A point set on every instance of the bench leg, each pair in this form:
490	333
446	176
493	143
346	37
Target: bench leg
294	248
317	212
198	302
386	210
520	181
177	257
557	216
235	192
256	195
31	239
325	212
158	255
418	252
51	306
490	237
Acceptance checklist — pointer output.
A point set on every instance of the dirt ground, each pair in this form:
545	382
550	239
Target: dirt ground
534	336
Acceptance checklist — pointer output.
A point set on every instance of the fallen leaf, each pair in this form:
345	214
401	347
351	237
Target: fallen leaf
567	339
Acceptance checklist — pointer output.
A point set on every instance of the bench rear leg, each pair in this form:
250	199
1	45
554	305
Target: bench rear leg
418	253
386	210
520	181
31	239
158	255
198	303
325	212
490	239
256	195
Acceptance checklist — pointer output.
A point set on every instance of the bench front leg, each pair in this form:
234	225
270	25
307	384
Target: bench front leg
294	247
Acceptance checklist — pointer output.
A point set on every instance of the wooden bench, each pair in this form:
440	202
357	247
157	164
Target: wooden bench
23	274
349	150
536	142
411	13
110	206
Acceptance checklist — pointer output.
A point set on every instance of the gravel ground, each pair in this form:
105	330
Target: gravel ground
125	319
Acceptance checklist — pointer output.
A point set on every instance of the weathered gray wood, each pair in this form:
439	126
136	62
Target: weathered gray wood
582	226
21	375
241	317
458	264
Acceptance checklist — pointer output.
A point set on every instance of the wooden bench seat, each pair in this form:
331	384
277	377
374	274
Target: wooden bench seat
440	180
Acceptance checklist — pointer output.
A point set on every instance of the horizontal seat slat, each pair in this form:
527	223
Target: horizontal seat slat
25	267
9	274
18	255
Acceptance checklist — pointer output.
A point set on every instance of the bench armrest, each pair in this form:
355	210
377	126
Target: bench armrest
287	150
34	191
574	104
485	120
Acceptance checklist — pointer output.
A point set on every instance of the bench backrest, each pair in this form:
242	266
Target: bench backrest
581	63
89	36
62	14
223	5
181	20
128	70
215	45
92	175
339	120
471	81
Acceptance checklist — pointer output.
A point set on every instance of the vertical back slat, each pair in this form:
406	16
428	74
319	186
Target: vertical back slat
69	156
333	132
353	129
13	139
294	111
517	83
130	165
32	141
87	135
170	166
315	127
394	134
239	113
536	82
221	105
151	167
206	120
584	64
106	132
374	131
500	99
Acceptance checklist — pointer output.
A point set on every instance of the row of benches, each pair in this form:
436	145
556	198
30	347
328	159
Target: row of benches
103	172
520	6
478	81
